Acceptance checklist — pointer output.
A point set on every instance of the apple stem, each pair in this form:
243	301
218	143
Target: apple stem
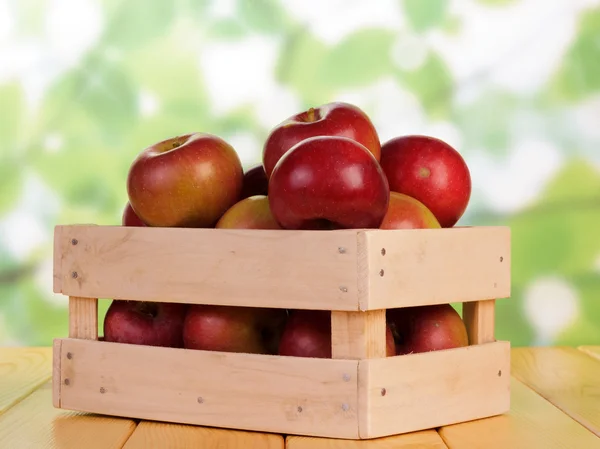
311	115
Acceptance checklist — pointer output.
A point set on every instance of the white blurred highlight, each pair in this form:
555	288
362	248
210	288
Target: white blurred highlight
254	59
551	305
509	185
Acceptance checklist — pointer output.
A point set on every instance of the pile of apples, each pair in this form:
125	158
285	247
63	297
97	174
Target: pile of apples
322	169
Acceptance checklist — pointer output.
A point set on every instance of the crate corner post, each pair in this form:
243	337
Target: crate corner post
83	318
479	318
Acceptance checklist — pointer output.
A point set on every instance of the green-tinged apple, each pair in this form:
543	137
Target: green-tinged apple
427	328
405	212
308	334
250	213
145	323
255	182
328	182
185	181
431	171
130	218
331	119
233	329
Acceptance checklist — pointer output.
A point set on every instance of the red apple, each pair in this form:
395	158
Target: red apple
431	171
427	328
255	182
405	212
145	323
250	213
233	329
308	334
130	218
331	119
185	181
328	181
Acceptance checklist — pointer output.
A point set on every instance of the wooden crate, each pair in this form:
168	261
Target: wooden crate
357	274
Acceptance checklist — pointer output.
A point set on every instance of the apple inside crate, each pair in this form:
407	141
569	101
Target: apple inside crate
358	393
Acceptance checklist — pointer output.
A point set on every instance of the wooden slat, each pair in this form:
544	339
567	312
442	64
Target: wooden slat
22	370
243	391
427	390
532	423
434	266
56	371
153	435
426	439
358	335
479	318
594	351
566	377
83	318
35	424
293	269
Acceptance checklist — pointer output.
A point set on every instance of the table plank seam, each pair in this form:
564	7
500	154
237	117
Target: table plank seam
20	399
587	427
586	351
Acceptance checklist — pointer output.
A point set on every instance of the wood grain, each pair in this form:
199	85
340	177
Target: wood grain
426	439
35	424
566	377
295	395
593	351
22	370
83	318
532	423
434	266
153	435
479	319
287	269
358	335
56	371
427	390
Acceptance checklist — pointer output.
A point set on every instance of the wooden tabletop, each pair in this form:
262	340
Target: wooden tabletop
555	404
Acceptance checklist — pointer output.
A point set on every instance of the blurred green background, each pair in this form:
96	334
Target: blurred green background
514	85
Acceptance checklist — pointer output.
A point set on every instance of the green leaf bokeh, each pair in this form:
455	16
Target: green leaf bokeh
64	157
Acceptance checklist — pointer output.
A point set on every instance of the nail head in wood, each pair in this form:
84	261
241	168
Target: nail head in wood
344	289
341	250
500	373
200	400
383	251
69	355
501	259
299	409
102	390
67	382
345	407
74	275
74	242
346	377
383	392
381	272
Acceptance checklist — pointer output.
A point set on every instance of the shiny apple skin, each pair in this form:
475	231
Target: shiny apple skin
185	181
328	182
331	119
431	171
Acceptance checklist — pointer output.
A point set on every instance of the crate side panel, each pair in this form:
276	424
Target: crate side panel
427	390
293	269
244	391
435	266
